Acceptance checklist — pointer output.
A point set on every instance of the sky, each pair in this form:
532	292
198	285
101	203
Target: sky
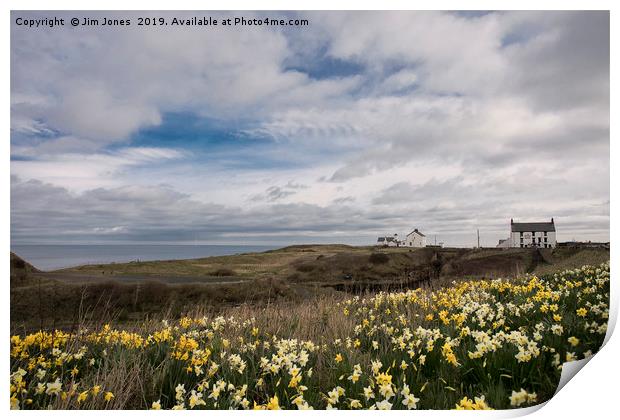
358	125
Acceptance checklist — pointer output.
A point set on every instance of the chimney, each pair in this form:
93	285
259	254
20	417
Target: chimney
511	222
552	220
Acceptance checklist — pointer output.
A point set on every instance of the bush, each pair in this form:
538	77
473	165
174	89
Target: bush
305	268
378	258
222	272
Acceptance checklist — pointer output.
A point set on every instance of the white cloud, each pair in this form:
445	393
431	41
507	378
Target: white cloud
400	80
81	171
510	110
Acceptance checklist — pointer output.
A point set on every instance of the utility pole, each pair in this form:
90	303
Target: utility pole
478	232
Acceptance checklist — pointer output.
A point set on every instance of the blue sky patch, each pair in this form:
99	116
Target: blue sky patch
323	66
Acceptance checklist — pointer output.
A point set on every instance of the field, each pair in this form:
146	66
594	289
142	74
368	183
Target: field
470	344
128	293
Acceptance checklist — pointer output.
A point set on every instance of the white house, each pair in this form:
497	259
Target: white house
415	239
388	241
532	235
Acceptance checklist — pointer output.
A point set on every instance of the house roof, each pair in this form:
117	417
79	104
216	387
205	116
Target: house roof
387	238
533	227
416	231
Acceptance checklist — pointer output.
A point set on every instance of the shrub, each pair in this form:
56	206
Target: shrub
223	272
378	258
305	268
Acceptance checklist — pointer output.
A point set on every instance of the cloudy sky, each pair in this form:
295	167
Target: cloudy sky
358	125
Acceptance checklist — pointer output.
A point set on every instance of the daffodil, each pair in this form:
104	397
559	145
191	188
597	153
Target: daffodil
355	404
520	397
82	396
195	399
384	405
273	403
53	388
368	393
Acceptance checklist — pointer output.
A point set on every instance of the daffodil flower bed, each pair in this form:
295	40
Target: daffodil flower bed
488	344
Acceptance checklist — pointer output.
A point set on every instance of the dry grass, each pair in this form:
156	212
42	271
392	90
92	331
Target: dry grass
58	305
291	275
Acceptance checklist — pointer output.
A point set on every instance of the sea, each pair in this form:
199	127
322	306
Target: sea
54	257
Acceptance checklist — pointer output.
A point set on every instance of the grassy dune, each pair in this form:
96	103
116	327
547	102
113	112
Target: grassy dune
324	263
128	293
474	344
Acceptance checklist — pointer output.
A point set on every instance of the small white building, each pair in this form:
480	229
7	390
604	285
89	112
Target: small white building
388	241
415	239
532	235
503	243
